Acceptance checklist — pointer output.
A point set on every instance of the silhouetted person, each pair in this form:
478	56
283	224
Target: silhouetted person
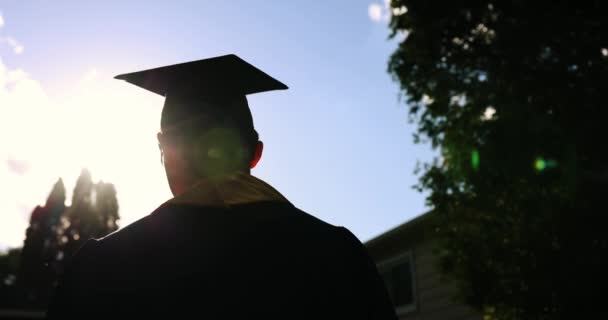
228	245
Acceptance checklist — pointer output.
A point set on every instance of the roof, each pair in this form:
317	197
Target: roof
403	235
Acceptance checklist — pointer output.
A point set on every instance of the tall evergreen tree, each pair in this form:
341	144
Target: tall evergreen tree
40	248
93	214
9	269
57	231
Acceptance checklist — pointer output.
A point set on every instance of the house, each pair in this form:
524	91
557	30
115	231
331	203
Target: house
404	257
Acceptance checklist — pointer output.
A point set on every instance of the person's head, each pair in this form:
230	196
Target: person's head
206	139
206	126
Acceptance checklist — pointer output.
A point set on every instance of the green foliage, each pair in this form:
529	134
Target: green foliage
513	94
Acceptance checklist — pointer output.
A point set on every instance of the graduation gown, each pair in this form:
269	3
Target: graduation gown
229	249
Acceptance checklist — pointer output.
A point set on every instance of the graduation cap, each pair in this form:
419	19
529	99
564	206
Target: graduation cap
211	89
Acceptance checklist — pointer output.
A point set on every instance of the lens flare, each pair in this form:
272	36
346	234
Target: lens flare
540	164
475	159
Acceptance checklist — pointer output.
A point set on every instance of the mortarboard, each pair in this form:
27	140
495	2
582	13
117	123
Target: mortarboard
214	88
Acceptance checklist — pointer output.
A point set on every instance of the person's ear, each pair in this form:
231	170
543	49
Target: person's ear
160	138
257	154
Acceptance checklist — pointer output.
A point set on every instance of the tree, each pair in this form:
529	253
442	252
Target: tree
57	231
40	249
512	94
93	214
9	267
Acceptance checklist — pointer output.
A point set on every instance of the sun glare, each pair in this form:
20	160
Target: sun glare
101	124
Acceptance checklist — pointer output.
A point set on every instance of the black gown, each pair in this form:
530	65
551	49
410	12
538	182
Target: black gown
260	258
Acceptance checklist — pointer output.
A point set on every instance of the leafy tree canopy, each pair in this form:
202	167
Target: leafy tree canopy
513	94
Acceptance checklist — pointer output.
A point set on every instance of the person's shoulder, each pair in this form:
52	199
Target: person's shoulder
313	220
163	225
136	232
340	235
128	231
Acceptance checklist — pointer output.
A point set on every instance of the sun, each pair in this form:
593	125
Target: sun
110	127
104	125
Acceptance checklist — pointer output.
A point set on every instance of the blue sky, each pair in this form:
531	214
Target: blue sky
338	143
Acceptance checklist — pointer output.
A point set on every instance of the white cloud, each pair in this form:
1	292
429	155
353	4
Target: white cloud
381	12
375	12
15	45
10	41
22	137
90	75
19	167
101	124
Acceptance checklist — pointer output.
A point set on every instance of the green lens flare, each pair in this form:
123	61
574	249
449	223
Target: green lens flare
540	164
475	159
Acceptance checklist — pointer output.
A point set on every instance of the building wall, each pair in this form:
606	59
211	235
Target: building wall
433	296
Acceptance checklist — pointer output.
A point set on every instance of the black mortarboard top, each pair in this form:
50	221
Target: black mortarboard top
214	87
